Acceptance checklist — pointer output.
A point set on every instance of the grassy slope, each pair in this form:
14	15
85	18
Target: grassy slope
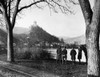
63	70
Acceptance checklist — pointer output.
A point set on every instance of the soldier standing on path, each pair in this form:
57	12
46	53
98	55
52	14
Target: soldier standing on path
64	55
73	55
59	51
79	54
83	47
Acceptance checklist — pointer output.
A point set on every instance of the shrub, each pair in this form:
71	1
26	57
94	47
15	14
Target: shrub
27	55
41	55
23	55
32	54
45	55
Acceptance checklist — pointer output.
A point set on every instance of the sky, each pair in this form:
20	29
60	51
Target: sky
58	24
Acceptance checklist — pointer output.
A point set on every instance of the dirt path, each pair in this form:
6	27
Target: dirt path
14	70
4	72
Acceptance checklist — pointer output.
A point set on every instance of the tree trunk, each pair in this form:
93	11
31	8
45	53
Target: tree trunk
93	51
92	20
10	52
92	42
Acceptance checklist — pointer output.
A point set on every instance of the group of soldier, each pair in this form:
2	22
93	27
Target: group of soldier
62	54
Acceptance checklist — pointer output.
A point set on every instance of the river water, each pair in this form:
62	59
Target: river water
54	54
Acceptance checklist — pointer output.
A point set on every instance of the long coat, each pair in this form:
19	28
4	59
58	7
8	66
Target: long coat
80	54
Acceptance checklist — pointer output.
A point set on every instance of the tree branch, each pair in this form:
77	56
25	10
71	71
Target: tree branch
9	7
51	6
87	11
1	12
4	10
62	7
15	13
24	7
40	7
74	2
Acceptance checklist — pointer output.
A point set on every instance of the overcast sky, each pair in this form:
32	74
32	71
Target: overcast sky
58	24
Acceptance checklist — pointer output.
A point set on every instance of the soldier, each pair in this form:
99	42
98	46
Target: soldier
59	51
73	55
83	47
79	54
64	55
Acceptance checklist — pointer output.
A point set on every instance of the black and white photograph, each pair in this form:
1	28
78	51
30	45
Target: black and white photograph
49	38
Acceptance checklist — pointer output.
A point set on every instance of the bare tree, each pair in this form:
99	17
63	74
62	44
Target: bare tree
10	10
92	20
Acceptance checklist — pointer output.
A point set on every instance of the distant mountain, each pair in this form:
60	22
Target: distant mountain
21	30
79	39
3	37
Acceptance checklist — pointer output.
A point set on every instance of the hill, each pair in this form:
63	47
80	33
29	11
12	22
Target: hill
39	35
3	37
21	30
36	34
79	40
